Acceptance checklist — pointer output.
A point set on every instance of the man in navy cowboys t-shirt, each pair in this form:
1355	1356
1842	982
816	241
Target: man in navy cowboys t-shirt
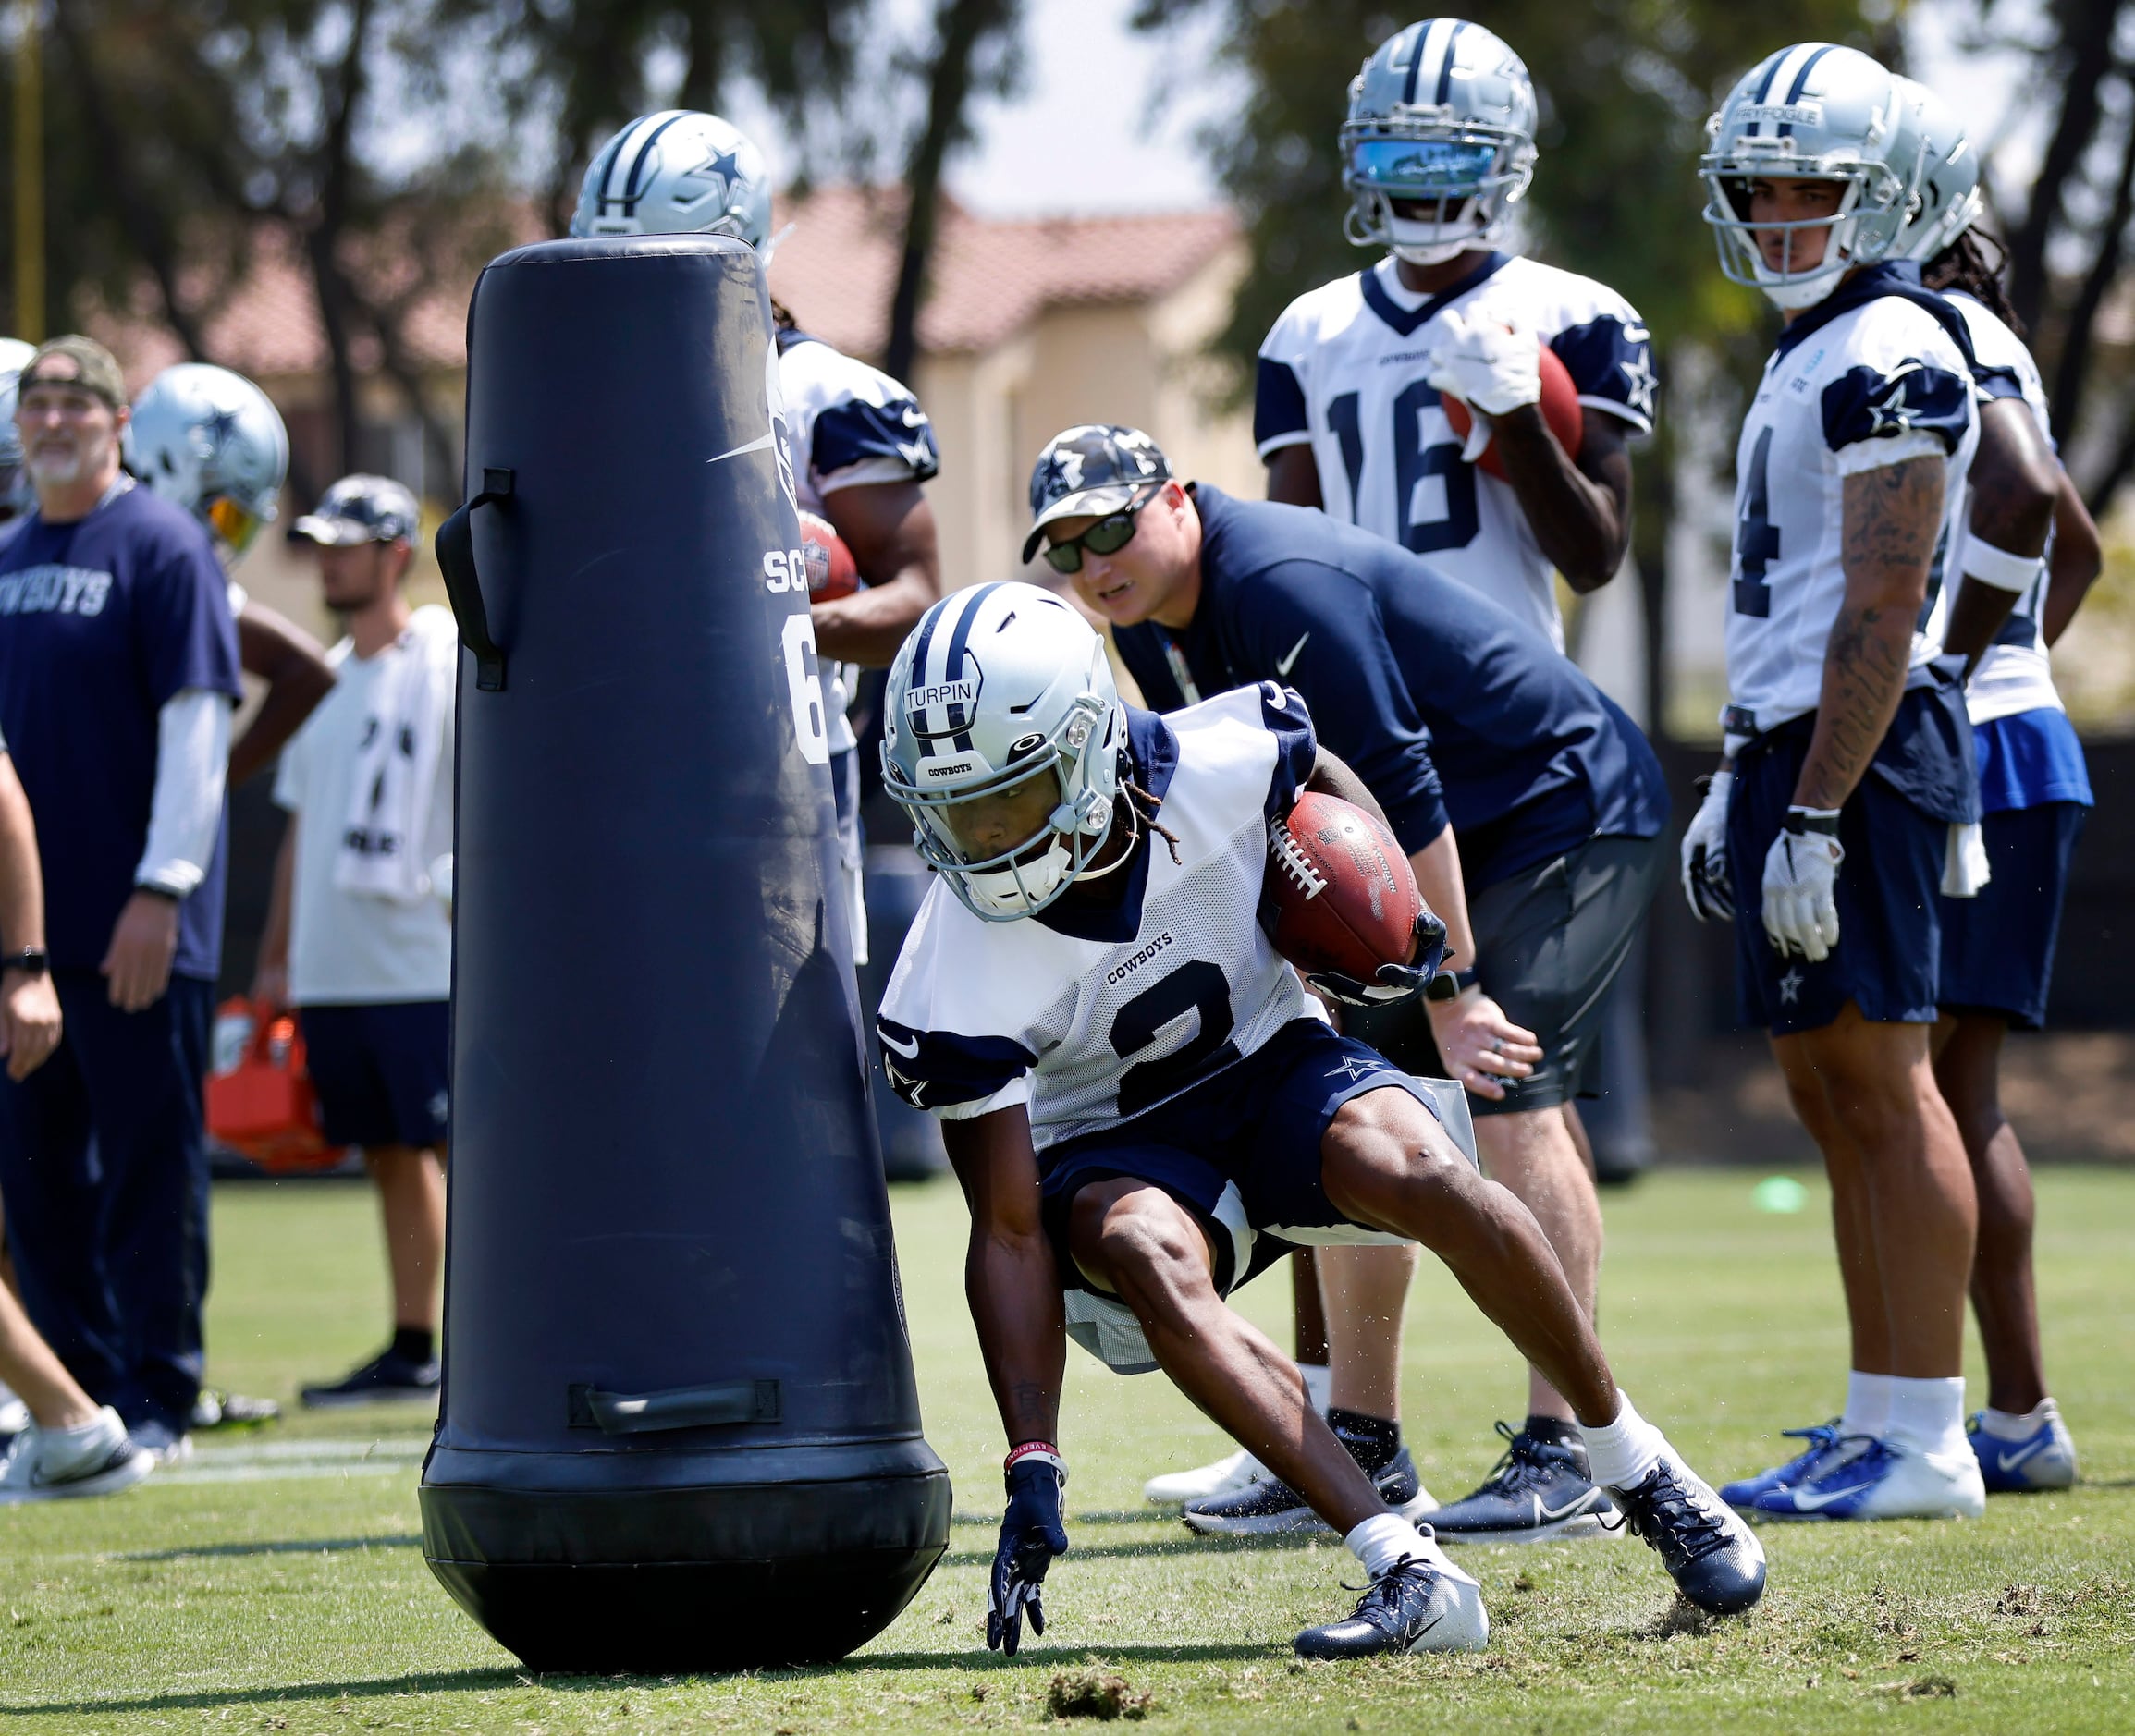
118	672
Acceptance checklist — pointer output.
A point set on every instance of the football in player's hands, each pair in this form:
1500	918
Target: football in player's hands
831	570
1345	898
1560	409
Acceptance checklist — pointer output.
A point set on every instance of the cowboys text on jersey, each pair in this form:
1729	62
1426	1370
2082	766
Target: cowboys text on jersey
1343	370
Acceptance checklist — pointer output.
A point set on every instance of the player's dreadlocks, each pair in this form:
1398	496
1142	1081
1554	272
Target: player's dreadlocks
1963	264
1143	806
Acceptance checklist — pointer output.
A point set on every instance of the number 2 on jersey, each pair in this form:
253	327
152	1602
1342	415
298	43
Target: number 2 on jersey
1415	466
1195	986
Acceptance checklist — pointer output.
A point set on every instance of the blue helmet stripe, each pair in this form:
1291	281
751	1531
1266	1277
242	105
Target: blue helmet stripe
1800	83
952	668
1446	63
918	677
633	189
1422	35
1770	72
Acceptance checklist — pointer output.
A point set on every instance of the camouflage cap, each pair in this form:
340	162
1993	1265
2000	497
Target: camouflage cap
1088	472
96	369
360	509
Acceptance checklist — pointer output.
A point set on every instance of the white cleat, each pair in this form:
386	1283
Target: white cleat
53	1464
1881	1479
1227	1476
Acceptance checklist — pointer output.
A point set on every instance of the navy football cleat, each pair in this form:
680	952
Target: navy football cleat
1417	1605
1822	1438
1711	1555
1272	1506
1537	1490
387	1376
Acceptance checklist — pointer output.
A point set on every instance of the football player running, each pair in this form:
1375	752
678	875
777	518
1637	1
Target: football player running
859	444
1438	149
2028	553
211	441
1138	1099
1848	793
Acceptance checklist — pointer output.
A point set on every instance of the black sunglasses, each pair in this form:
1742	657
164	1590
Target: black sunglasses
1107	536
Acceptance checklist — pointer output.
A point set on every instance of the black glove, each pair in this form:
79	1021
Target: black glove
1392	984
1031	1535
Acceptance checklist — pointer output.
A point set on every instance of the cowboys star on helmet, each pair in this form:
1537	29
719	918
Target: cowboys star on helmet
1001	722
1814	112
210	441
677	172
1443	116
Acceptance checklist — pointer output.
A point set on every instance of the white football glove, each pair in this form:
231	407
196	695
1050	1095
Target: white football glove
1800	878
1705	881
1489	366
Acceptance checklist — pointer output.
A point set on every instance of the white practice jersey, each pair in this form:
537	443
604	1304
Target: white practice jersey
848	424
1871	378
1093	1026
1343	370
2015	675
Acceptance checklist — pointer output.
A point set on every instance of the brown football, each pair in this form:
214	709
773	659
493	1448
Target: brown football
832	572
1560	409
1346	897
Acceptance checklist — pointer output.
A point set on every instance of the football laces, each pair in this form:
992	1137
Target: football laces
1293	862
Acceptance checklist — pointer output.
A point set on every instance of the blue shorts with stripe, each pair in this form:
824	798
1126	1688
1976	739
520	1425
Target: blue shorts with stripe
1240	1151
1998	947
1894	829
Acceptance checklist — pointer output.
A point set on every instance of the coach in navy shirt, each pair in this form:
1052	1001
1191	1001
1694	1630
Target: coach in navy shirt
1531	806
118	672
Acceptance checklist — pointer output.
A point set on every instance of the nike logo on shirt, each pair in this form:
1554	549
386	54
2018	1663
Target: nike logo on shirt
1282	663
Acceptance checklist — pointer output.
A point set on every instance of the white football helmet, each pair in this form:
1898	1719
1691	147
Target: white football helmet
1001	721
1814	112
677	171
16	497
210	441
1442	113
1950	201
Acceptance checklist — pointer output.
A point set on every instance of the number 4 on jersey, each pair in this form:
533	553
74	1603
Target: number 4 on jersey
1756	538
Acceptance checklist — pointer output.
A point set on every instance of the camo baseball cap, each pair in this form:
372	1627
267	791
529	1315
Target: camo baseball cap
1089	472
96	369
360	509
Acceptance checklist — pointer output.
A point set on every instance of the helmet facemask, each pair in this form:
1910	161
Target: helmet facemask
1060	786
1472	172
1862	231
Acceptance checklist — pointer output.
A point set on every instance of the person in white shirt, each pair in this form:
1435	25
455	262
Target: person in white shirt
358	939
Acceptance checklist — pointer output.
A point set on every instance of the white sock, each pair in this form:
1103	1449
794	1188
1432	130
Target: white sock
1383	1539
62	1450
1928	1416
1618	1455
1318	1384
2018	1425
1867	1404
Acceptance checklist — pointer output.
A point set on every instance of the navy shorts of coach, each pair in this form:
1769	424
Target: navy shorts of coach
382	1071
1455	712
1239	1151
2034	796
1895	829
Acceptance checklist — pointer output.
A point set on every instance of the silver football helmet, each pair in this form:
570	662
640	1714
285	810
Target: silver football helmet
1950	200
16	497
1814	112
1442	114
677	171
1002	738
210	441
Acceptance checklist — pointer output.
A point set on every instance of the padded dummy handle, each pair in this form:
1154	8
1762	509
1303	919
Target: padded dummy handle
727	1402
463	584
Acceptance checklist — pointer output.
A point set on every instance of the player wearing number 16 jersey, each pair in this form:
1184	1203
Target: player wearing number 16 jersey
1136	1096
1437	153
1850	794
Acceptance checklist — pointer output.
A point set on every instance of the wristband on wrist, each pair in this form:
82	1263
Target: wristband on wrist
31	960
1819	820
1999	567
1451	985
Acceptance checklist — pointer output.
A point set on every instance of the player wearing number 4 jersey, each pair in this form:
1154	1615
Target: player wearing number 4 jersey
1138	1099
1849	802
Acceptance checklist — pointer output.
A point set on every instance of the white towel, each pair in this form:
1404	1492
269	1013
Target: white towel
383	849
1965	869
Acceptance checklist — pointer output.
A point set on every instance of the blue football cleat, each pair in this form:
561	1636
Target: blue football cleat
1821	1440
1537	1490
1879	1479
1713	1558
2045	1460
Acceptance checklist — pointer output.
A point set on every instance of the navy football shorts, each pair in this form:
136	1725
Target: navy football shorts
1998	947
1889	896
381	1070
1240	1151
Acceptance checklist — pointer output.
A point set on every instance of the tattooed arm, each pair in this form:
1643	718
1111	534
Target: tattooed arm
1891	517
1009	1276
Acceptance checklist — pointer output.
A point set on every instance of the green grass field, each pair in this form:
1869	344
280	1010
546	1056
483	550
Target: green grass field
278	1582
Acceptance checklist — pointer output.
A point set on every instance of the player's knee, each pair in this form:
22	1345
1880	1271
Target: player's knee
1387	1162
1157	1257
